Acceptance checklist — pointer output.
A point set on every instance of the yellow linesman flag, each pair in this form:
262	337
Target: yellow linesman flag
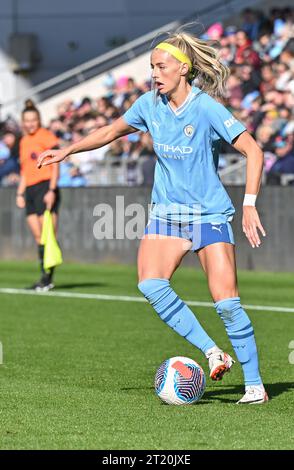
52	252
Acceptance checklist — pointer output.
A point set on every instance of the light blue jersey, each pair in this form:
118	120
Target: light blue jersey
186	187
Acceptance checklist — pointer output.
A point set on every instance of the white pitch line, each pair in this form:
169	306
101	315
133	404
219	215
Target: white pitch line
125	298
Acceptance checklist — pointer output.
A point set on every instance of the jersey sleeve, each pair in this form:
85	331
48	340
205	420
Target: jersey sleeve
135	116
222	121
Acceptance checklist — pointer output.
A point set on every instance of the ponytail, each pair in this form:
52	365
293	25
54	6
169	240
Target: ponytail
208	72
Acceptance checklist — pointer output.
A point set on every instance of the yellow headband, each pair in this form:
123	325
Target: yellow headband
174	51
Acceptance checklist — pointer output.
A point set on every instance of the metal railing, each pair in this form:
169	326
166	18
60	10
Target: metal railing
118	171
287	179
234	171
121	171
131	171
139	171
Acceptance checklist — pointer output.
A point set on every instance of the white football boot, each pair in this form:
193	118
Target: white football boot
254	395
219	362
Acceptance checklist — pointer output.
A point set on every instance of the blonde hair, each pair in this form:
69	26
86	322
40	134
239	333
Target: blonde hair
211	75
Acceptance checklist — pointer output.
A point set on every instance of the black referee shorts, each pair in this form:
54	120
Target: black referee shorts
34	196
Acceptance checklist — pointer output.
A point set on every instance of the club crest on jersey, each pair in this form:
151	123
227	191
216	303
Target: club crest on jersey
189	130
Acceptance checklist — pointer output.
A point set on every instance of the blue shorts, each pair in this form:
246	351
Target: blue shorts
200	235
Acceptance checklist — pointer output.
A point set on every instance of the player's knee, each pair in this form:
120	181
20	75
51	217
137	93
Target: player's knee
222	294
153	289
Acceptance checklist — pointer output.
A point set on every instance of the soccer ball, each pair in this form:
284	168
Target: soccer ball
180	381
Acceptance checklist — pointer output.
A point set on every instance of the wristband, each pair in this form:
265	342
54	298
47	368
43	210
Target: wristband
20	195
249	200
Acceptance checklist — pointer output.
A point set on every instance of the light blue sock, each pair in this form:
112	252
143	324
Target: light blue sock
241	334
174	312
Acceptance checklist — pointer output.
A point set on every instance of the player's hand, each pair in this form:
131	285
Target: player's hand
51	156
49	199
20	202
251	224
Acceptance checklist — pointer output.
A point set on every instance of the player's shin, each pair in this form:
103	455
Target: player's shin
174	312
241	335
41	258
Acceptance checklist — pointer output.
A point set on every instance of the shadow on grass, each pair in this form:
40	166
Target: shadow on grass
273	390
203	401
220	393
73	285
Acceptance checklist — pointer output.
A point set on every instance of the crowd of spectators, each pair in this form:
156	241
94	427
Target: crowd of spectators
260	93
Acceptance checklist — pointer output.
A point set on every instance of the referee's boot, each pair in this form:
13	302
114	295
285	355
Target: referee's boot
44	284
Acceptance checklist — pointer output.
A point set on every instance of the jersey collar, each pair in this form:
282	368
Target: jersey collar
194	91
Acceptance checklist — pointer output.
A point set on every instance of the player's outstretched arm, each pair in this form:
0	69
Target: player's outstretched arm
97	139
246	145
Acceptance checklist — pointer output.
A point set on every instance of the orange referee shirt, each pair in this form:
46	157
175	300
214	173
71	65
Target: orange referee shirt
31	146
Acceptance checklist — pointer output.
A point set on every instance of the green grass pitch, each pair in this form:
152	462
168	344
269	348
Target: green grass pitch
79	373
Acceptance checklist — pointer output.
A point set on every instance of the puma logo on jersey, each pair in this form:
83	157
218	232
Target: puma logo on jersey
219	229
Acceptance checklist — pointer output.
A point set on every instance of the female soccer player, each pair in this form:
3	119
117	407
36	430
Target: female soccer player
37	190
190	207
